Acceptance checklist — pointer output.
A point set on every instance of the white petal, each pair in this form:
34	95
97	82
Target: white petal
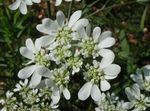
88	29
97	109
79	24
28	2
106	43
49	82
66	93
136	91
48	26
36	1
137	78
15	5
129	94
35	80
108	57
85	91
23	8
112	70
58	2
146	71
105	34
47	40
44	71
74	18
55	97
26	53
38	44
96	33
30	45
60	18
26	72
95	93
105	85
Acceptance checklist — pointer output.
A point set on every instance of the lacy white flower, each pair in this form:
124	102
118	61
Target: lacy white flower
92	45
61	29
96	74
75	62
137	100
41	61
59	82
143	80
107	103
22	5
9	102
58	2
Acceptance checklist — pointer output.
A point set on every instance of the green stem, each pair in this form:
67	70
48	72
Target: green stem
48	8
113	6
70	8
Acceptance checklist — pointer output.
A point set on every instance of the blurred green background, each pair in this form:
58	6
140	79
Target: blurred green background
129	20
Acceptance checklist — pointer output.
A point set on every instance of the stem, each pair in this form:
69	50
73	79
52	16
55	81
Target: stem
48	8
113	6
70	7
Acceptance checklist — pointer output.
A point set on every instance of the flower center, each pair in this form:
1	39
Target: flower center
61	77
87	47
62	52
141	104
94	74
64	35
74	62
41	58
147	85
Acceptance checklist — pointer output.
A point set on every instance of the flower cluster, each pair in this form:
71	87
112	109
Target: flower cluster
24	98
68	48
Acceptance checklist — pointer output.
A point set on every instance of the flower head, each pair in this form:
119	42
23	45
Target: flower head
96	74
40	61
143	80
22	5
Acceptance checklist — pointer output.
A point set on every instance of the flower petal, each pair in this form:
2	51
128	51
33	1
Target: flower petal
35	80
30	45
23	8
85	91
106	43
26	53
108	57
95	93
112	71
58	2
46	40
44	71
26	72
104	35
36	1
96	33
146	71
48	26
28	2
15	5
74	18
60	18
80	24
66	93
105	85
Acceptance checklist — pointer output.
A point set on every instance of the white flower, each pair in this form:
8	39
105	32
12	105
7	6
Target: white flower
21	85
22	5
75	62
59	82
137	100
97	74
40	59
95	43
58	2
61	30
143	82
